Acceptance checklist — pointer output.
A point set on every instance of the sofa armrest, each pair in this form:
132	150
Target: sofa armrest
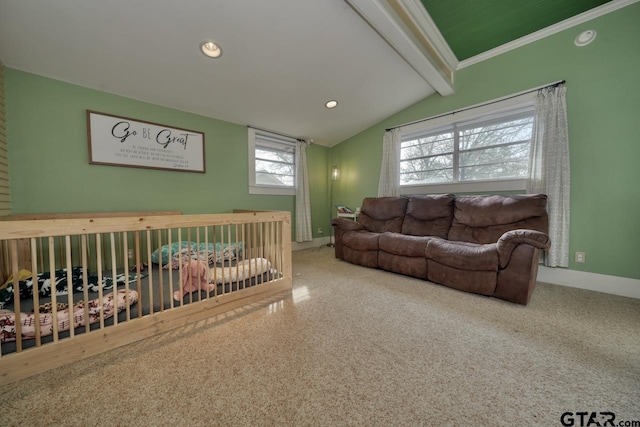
511	239
346	224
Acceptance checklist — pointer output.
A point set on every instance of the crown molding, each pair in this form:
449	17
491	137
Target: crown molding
548	31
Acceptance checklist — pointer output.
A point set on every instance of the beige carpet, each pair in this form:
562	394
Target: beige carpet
357	346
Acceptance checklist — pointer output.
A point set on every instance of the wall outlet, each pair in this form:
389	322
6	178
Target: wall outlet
580	257
319	230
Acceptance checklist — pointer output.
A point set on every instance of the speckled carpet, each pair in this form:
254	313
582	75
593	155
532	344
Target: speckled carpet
356	346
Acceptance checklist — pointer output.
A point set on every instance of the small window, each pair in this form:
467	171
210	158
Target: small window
271	163
480	150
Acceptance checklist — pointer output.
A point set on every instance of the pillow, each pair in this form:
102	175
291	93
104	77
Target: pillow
245	269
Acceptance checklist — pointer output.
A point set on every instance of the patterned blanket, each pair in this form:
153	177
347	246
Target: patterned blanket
188	254
60	284
109	305
212	252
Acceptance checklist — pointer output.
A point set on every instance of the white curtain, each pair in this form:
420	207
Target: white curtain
549	171
303	207
389	184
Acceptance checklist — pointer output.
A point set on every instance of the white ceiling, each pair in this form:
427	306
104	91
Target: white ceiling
282	59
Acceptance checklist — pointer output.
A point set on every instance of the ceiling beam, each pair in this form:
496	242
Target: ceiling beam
407	27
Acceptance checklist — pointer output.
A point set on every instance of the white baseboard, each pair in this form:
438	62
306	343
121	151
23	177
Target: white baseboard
615	285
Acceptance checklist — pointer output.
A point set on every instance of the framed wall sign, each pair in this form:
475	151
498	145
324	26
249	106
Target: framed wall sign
120	141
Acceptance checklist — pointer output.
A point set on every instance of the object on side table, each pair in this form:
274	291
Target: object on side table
342	209
346	212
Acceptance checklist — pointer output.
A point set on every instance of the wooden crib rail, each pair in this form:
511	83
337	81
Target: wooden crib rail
79	226
71	215
250	251
24	245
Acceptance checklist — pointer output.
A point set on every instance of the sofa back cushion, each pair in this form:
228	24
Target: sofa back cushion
483	219
429	215
380	214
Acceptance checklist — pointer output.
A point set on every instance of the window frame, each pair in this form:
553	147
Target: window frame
464	119
278	190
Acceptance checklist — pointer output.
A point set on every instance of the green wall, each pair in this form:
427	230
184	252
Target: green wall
50	171
48	160
603	102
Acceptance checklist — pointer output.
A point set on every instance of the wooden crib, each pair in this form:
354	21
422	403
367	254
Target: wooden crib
121	272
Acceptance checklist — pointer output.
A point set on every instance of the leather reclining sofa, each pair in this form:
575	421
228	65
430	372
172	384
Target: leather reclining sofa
489	245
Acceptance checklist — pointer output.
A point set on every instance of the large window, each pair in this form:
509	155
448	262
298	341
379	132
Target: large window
485	149
271	163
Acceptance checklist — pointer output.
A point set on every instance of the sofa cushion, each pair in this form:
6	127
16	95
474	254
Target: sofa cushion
400	244
361	240
363	258
476	281
407	265
429	215
463	255
380	214
361	248
484	219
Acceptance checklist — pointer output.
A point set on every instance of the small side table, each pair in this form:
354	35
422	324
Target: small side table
353	216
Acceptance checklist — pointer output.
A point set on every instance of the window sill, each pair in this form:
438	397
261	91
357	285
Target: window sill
272	191
515	185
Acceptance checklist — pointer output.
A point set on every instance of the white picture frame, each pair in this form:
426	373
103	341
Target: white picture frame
122	141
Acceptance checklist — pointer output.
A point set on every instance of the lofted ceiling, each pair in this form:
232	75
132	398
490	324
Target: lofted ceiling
282	59
472	27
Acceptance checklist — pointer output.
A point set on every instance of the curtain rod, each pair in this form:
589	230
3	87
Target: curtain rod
281	134
504	98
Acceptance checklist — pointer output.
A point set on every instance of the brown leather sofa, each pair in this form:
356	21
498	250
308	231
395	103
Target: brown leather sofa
488	245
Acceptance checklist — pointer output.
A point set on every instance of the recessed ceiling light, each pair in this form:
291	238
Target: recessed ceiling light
331	104
585	37
210	49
